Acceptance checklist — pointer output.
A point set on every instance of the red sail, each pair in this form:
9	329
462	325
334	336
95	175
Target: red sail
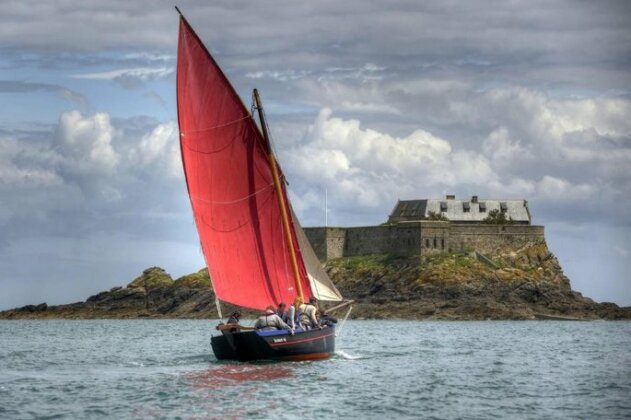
230	185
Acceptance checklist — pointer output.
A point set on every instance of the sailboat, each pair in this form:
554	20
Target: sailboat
256	252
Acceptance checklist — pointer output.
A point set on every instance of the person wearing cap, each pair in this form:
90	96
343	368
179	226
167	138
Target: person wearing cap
269	320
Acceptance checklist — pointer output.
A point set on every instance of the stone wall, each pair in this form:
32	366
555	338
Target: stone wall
416	238
489	239
397	239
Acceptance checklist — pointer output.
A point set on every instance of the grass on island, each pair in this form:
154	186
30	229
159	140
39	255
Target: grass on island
532	261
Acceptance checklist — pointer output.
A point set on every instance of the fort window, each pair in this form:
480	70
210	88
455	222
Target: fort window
466	207
482	207
426	243
435	244
442	243
503	207
443	206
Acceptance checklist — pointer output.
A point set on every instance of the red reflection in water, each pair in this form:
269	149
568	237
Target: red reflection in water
229	374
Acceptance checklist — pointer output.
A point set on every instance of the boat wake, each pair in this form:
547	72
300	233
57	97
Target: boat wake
344	355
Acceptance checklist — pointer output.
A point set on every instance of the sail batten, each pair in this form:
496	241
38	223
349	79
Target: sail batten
230	185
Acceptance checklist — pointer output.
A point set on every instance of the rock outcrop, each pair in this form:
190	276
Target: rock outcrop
526	283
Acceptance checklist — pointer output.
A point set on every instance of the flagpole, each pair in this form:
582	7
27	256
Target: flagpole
326	207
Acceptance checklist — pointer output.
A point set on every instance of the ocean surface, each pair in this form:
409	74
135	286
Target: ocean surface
382	369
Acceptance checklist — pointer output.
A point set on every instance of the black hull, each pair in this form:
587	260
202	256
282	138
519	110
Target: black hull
274	345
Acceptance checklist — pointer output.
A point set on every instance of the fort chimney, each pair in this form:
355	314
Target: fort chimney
451	196
474	199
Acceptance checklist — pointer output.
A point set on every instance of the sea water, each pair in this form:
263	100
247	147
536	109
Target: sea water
382	369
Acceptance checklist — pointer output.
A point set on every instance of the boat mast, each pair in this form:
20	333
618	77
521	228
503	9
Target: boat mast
279	194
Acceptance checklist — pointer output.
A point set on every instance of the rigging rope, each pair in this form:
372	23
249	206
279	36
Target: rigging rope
201	130
339	330
196	198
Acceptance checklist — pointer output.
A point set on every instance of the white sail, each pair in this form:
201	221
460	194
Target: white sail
321	285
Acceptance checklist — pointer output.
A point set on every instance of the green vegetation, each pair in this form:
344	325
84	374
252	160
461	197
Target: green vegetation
450	267
497	217
437	216
366	263
151	278
201	279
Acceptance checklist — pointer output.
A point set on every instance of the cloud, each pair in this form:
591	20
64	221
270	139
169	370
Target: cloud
365	167
89	173
161	149
22	176
402	100
19	86
85	144
546	150
129	78
280	76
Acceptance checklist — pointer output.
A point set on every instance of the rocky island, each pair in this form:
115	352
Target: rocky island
453	259
524	284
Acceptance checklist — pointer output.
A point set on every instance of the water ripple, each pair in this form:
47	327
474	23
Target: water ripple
165	369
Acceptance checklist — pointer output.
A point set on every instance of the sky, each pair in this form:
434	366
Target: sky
368	101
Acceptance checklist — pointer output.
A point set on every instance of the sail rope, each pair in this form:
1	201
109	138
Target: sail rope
233	228
339	330
238	200
219	314
201	130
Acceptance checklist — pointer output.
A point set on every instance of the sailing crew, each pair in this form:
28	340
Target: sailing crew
280	311
290	315
293	313
269	320
234	318
325	320
308	314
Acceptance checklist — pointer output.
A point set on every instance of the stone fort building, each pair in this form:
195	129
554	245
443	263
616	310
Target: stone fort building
417	227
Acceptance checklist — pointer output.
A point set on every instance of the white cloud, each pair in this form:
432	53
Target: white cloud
556	189
160	148
280	75
503	150
129	78
88	165
16	176
536	147
503	100
365	167
85	143
142	73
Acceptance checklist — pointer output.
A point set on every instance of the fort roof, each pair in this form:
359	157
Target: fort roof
472	210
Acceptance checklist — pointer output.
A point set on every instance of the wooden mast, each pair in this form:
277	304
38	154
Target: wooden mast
279	193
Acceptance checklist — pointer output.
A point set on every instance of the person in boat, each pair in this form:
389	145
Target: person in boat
325	320
269	320
234	318
280	311
308	312
293	313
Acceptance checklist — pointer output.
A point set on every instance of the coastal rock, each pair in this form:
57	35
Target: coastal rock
521	284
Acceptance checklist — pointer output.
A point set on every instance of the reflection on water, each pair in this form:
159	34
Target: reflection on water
229	374
238	390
